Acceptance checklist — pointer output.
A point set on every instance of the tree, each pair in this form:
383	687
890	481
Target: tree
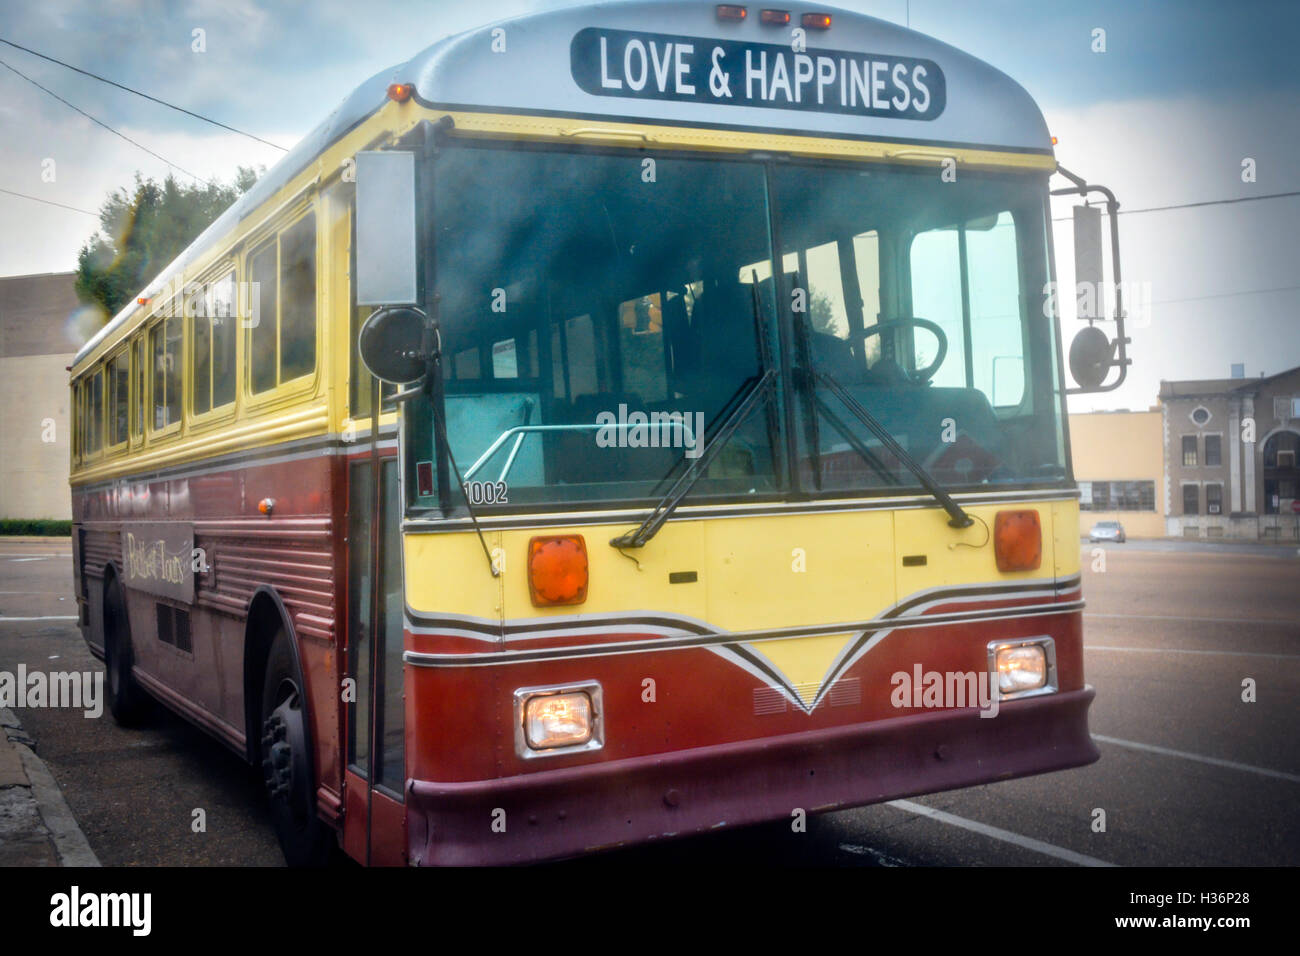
144	229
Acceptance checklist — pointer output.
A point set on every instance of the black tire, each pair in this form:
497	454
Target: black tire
127	701
287	761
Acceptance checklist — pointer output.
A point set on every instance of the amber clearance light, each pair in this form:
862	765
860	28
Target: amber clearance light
1018	540
557	570
400	92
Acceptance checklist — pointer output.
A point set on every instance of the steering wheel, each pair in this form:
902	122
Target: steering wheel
921	375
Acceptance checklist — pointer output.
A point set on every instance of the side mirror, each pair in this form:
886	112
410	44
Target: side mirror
385	227
392	345
1091	357
1092	353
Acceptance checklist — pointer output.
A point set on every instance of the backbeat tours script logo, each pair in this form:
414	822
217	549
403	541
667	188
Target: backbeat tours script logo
150	560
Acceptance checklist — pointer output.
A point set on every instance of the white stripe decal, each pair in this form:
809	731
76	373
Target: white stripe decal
997	833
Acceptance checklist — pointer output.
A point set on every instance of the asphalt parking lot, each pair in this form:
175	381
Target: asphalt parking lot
1190	774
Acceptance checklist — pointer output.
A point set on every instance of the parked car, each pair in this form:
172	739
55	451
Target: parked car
1107	531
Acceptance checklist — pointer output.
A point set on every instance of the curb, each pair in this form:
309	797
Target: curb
70	843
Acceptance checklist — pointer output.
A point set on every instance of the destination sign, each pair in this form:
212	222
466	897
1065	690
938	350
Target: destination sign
657	66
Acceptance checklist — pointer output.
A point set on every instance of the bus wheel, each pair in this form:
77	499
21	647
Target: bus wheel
286	762
126	699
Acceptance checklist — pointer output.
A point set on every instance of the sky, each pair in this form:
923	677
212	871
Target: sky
1185	91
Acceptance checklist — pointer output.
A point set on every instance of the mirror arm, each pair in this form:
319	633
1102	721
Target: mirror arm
1082	187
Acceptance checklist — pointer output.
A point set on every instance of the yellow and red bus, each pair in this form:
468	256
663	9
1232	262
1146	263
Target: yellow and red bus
719	469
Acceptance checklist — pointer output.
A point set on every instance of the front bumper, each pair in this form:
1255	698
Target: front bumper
564	812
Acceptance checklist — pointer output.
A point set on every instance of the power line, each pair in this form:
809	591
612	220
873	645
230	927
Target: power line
100	122
153	99
48	202
1191	205
1226	295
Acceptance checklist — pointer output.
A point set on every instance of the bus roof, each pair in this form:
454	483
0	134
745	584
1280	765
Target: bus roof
676	62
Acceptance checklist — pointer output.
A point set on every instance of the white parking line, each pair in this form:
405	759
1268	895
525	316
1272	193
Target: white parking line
6	620
43	557
1199	758
997	833
1180	650
1207	620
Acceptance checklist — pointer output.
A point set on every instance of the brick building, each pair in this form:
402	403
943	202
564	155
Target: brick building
1219	483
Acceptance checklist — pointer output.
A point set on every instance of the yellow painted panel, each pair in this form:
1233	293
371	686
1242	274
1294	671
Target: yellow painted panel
448	574
1065	526
947	562
805	660
616	584
793	570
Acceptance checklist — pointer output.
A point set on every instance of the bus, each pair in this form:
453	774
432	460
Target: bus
617	423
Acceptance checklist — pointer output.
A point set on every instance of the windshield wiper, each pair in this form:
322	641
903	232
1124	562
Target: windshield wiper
683	485
957	517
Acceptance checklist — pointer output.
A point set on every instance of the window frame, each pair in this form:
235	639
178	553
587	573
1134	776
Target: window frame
1210	508
1196	486
1218	443
284	391
1196	451
94	452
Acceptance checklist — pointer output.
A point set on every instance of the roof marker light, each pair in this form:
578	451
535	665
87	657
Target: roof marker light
400	92
777	18
817	21
730	11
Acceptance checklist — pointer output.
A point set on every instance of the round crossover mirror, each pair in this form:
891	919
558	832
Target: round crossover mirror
1090	357
391	345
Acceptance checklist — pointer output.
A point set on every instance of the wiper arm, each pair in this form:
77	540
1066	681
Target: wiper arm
957	517
683	485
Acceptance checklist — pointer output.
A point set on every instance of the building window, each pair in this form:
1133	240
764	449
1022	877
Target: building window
1200	415
1189	450
1117	496
1286	408
1213	451
1214	499
1191	499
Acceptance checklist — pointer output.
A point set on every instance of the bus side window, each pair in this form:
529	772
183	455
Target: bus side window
866	255
94	412
165	338
200	353
641	348
138	352
298	299
262	339
118	397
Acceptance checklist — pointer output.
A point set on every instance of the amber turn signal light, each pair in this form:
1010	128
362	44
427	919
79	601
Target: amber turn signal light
1018	540
400	92
557	570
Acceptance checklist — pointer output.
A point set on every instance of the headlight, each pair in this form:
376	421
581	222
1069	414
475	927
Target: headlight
557	719
1024	666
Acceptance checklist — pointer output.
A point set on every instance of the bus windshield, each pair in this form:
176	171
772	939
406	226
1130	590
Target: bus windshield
601	315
